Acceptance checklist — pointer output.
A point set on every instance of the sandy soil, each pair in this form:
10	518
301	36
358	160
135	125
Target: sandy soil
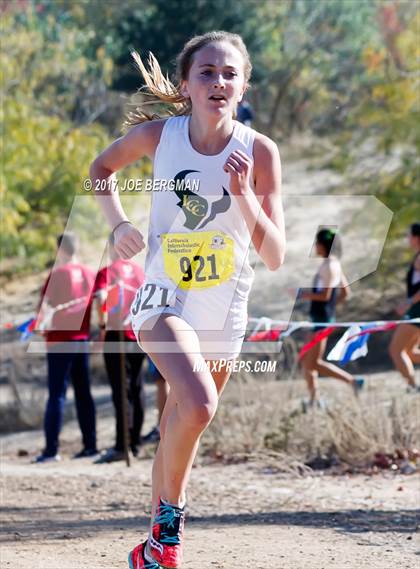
77	515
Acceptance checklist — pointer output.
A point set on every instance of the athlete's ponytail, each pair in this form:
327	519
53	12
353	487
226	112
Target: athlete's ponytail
160	90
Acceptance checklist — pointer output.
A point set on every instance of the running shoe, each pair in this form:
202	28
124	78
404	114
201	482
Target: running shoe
137	559
152	437
86	453
111	455
44	458
308	404
166	539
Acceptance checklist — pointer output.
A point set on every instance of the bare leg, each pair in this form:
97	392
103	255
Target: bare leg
309	371
331	370
165	407
161	395
157	471
313	366
311	378
220	378
404	337
191	405
414	351
185	424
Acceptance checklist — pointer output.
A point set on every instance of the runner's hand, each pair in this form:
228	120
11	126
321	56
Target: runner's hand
239	166
128	241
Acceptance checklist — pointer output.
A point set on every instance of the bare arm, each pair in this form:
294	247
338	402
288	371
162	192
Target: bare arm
323	296
265	222
333	278
140	141
344	290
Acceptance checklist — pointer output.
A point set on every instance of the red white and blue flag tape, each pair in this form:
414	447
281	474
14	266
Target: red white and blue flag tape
352	345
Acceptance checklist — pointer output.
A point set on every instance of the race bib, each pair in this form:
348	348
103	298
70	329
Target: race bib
198	260
151	295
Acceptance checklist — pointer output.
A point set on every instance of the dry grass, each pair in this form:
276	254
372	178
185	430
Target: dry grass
260	416
22	401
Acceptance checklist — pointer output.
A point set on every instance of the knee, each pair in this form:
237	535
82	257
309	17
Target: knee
199	412
55	400
311	375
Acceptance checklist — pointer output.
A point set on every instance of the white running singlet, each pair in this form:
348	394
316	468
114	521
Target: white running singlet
197	265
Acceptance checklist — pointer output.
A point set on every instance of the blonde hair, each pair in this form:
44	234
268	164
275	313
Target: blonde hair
160	90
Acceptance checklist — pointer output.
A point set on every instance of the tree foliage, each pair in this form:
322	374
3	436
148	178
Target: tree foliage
46	146
347	69
389	109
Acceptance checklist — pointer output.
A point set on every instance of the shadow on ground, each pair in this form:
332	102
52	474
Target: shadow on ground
36	527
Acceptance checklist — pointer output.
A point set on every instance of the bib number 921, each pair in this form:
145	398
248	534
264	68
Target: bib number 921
150	296
195	268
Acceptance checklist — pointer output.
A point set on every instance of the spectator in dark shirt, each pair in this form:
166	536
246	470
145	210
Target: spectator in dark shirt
116	286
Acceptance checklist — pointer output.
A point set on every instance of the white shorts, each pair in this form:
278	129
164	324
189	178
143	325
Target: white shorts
220	326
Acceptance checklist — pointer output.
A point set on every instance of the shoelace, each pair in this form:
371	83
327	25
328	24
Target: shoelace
170	518
147	564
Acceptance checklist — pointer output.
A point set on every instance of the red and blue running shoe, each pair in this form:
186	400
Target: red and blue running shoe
166	539
137	560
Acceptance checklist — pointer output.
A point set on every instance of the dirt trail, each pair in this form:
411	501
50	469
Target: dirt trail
76	515
252	515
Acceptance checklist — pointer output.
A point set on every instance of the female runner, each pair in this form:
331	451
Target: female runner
328	281
406	339
192	310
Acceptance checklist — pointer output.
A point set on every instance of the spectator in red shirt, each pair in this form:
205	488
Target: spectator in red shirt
115	287
68	292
